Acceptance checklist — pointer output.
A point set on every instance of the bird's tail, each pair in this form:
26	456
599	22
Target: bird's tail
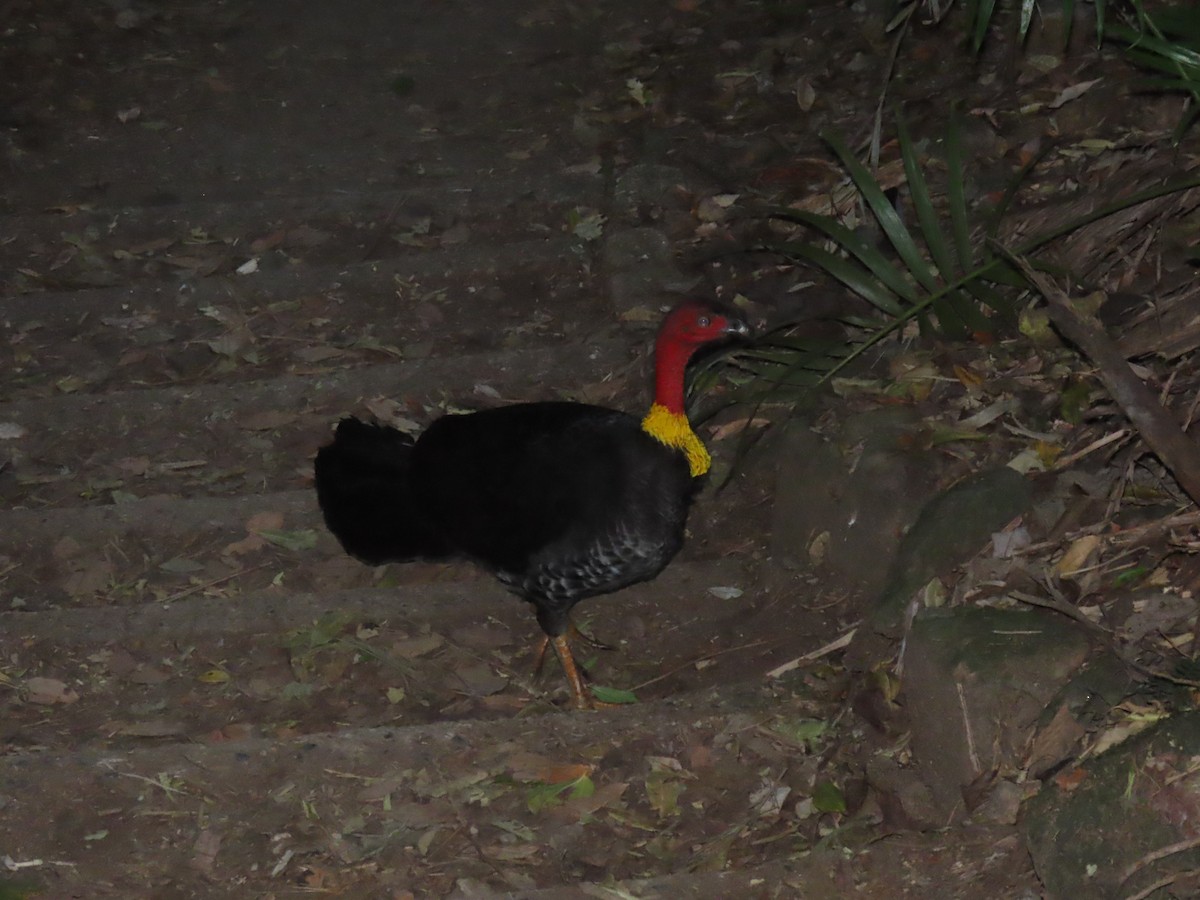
364	488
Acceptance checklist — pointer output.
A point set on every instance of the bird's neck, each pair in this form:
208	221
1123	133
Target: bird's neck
667	420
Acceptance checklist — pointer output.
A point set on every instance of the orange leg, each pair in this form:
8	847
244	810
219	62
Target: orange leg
562	649
580	698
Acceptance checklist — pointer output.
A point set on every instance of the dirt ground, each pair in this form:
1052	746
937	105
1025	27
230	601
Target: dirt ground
224	226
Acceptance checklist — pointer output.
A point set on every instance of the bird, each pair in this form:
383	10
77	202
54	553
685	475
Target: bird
560	500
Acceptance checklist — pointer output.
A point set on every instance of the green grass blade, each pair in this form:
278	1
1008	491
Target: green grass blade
885	214
956	196
983	18
878	264
870	289
1027	8
952	316
922	202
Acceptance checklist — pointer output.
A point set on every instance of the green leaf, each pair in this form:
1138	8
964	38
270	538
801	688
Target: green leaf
304	539
663	792
613	695
582	788
922	202
296	690
827	798
800	731
983	18
540	796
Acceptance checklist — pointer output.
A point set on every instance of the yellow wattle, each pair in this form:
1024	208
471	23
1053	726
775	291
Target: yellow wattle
674	430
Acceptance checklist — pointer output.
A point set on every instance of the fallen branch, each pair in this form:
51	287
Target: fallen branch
1157	426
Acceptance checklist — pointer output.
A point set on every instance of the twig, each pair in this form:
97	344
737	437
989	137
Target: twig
1161	883
688	665
1059	606
1072	458
1155	855
813	655
187	592
972	753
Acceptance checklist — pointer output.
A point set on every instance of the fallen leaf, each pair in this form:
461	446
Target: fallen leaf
662	792
1069	779
411	648
49	691
304	539
613	695
479	681
637	91
541	796
768	798
267	242
827	797
1074	92
725	593
204	851
153	728
737	426
1077	556
528	767
1055	742
268	520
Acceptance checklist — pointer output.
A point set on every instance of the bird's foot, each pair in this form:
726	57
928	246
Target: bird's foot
580	697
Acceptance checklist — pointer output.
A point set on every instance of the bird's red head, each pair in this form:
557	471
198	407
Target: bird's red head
694	323
688	327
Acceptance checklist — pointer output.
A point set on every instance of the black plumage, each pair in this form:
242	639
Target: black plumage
562	501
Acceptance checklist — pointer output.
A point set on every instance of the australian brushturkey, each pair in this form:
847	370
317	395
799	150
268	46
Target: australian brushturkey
560	500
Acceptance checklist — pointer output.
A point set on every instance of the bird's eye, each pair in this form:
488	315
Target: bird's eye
703	322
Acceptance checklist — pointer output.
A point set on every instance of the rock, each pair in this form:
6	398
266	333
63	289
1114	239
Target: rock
863	492
1125	821
976	682
951	529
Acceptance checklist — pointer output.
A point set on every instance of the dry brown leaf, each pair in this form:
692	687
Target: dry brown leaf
737	426
1077	556
134	465
153	728
606	796
269	520
89	577
1055	742
267	241
49	691
532	767
204	851
411	648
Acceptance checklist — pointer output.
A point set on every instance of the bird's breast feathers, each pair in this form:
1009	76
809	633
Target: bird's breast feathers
606	563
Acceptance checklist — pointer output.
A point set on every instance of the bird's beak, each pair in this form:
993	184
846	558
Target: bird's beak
736	327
